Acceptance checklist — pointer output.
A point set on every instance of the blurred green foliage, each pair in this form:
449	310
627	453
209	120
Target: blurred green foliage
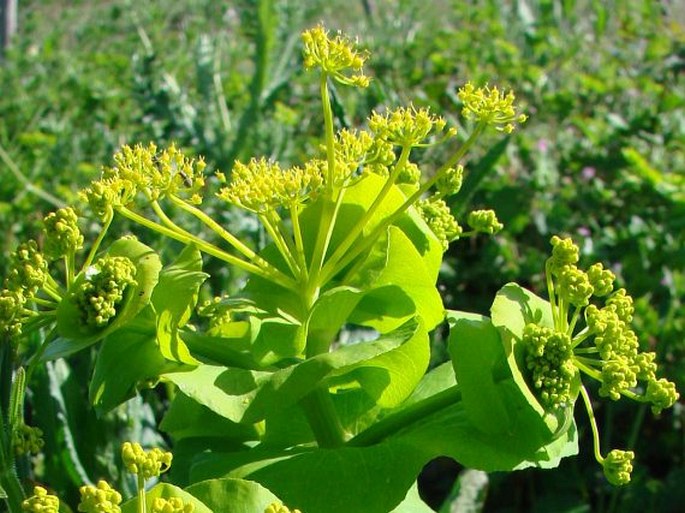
602	159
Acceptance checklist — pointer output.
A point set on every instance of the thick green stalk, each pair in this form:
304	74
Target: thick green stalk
329	131
397	421
323	419
299	242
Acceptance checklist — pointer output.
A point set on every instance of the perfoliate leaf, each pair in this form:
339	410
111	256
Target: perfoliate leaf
70	322
494	402
512	309
234	495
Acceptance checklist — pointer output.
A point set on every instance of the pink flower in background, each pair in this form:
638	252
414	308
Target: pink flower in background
588	173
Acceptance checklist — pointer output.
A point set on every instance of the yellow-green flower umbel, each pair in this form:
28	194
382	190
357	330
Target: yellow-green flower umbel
171	505
606	348
41	502
490	106
99	499
143	463
103	289
338	56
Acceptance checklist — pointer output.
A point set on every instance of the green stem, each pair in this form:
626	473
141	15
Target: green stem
280	242
358	228
580	337
208	248
50	291
329	131
323	239
401	419
593	424
334	267
299	242
69	268
217	228
323	419
550	293
142	504
45	302
107	221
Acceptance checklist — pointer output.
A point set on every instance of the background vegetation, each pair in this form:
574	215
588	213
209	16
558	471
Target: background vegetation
602	159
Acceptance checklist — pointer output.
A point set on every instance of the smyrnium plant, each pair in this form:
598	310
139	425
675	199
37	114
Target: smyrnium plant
265	387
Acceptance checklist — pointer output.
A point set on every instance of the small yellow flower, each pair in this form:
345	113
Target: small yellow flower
41	502
261	185
490	106
148	464
334	55
406	126
99	499
171	505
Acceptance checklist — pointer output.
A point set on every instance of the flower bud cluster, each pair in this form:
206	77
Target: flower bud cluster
28	269
171	505
606	349
484	221
440	220
99	499
12	314
102	291
450	181
27	440
62	235
617	466
41	502
147	464
261	185
490	106
334	56
549	360
156	173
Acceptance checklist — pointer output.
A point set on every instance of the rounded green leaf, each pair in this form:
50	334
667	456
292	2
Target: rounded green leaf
166	491
234	495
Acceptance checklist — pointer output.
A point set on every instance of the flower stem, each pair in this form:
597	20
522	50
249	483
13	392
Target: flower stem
107	221
208	248
593	424
216	228
359	226
142	504
329	131
333	267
